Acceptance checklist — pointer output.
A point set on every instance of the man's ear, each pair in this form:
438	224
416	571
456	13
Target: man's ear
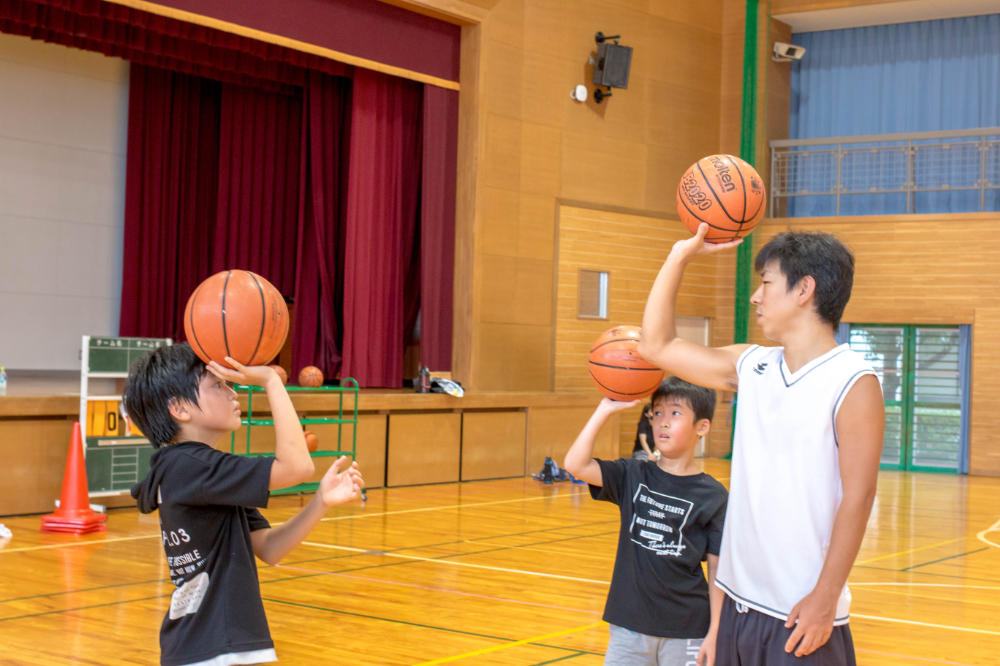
805	290
702	427
180	410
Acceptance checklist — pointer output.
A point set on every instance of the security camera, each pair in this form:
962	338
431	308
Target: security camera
787	52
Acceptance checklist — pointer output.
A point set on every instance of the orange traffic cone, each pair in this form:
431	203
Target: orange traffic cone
74	515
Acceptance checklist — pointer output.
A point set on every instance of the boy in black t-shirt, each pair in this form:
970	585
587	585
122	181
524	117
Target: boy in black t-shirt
208	501
661	609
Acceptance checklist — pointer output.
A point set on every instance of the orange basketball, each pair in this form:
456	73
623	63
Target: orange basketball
618	370
725	192
237	314
310	376
312	442
281	373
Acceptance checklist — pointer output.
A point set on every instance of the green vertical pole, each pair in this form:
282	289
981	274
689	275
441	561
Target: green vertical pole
748	149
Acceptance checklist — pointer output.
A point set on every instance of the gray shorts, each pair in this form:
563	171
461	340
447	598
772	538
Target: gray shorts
640	455
628	648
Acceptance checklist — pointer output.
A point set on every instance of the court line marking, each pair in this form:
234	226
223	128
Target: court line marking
566	658
553	552
458	564
78	543
326	559
944	559
442	589
906	656
496	648
995	527
925	624
913	550
417	624
964	587
332	518
909	594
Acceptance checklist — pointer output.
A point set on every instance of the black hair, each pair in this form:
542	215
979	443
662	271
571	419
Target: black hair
701	400
819	255
169	373
647	409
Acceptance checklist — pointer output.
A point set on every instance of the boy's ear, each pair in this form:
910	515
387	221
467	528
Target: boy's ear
702	427
180	410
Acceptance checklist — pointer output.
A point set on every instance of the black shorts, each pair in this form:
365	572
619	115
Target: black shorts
752	638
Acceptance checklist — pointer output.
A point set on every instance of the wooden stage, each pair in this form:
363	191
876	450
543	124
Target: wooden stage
505	572
403	438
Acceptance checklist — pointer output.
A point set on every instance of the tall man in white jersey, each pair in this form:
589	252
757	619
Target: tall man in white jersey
809	426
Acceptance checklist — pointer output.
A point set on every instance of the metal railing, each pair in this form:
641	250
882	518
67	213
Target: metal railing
907	164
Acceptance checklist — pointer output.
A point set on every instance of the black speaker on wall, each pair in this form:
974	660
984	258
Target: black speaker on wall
612	64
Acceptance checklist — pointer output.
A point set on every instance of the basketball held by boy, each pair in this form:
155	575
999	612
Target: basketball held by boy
209	501
661	608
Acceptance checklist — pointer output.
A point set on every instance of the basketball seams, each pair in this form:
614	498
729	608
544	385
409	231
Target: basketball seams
744	184
721	205
625	367
225	337
263	316
194	333
611	390
635	340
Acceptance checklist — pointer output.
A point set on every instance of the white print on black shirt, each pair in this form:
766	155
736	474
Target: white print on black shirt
658	521
186	599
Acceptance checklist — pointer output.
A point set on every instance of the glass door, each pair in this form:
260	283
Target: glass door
918	367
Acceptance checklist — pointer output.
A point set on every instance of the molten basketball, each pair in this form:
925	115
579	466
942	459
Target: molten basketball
310	376
237	314
618	370
725	192
312	442
281	373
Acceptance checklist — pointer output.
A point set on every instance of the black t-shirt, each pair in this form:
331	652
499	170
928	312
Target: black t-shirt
644	428
669	524
205	498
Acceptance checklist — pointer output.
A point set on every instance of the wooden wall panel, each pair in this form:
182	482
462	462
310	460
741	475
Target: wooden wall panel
631	248
914	269
791	6
424	448
552	431
539	147
493	445
34	455
371	447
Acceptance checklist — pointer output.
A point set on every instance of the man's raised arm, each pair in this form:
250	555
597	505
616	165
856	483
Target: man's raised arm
714	367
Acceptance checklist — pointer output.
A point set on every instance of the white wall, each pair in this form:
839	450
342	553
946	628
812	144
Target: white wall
63	123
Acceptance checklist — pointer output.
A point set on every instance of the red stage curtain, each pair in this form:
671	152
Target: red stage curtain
319	284
149	39
437	225
259	163
170	198
382	215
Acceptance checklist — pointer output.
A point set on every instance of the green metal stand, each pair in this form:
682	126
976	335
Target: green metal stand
348	387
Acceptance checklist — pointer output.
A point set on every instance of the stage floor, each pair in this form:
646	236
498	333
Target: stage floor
505	572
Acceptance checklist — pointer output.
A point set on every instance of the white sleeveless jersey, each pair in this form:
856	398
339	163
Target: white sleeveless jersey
785	484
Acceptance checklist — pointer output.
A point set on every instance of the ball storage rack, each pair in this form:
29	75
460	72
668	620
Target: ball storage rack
348	387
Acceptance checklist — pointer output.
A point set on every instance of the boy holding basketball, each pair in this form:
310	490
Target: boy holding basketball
808	439
661	609
208	501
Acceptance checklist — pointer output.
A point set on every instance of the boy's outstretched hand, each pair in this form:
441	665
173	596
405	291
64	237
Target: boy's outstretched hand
340	487
257	375
696	245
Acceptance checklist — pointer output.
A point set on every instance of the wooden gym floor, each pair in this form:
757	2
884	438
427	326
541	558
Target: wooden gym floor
497	572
